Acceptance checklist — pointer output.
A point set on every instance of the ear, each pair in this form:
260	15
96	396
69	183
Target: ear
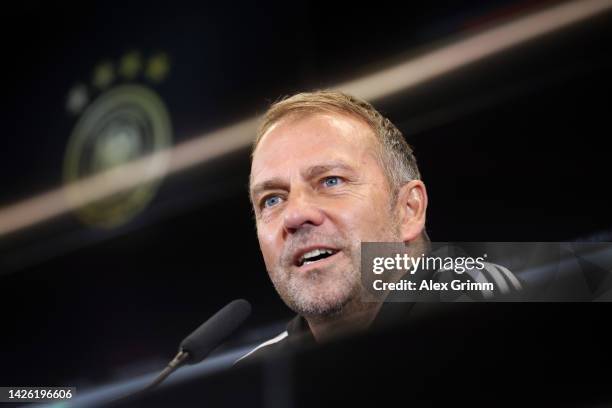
412	208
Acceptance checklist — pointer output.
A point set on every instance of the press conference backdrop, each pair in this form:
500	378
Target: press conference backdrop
512	147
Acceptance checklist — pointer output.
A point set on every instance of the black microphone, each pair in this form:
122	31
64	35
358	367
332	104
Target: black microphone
199	344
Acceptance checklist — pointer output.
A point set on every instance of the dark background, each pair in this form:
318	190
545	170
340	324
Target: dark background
514	148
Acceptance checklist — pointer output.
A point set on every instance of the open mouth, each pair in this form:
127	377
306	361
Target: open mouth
315	255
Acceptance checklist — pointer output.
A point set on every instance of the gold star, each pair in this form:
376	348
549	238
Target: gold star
104	75
130	65
158	67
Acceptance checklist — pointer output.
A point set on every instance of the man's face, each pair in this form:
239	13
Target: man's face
318	191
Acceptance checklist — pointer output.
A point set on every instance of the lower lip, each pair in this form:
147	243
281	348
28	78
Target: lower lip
318	264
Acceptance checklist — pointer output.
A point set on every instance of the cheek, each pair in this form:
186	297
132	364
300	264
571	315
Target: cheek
269	248
368	221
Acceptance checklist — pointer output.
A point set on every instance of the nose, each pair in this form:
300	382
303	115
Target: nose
301	211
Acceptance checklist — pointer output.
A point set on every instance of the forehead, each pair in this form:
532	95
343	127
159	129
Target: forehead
295	143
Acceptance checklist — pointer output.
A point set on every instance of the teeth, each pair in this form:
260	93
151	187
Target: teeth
313	253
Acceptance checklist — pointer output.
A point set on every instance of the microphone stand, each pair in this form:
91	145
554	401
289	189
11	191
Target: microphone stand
172	365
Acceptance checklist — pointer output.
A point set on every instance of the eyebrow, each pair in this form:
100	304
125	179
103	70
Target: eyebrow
319	169
278	183
273	184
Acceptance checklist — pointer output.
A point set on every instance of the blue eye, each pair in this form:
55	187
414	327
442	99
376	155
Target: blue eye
331	181
271	201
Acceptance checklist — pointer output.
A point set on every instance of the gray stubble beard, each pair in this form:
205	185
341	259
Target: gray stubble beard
351	291
314	295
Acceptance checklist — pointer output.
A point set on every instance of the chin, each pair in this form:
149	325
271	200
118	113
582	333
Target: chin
319	300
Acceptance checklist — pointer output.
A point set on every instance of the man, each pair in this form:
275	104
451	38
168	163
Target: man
329	172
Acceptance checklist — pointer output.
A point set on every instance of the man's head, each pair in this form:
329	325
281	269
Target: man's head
328	173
